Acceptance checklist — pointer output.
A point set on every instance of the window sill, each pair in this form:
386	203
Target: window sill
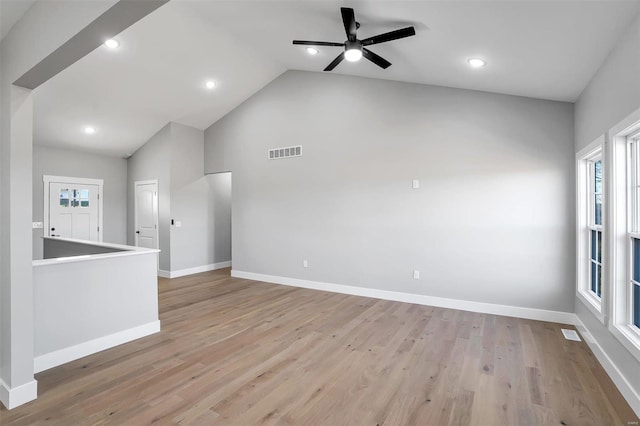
629	338
593	304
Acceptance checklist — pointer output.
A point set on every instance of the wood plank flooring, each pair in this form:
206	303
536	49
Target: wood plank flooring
235	351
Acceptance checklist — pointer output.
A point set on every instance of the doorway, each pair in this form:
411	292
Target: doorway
73	207
146	214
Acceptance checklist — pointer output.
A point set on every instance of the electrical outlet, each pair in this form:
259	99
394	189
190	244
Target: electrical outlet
178	224
305	263
416	274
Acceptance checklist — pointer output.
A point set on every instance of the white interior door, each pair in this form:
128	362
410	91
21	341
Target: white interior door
74	210
146	214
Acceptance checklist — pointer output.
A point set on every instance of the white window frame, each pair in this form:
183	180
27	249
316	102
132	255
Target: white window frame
621	226
585	223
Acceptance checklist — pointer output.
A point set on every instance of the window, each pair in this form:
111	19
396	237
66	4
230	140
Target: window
623	232
78	197
84	198
64	197
633	292
590	220
595	225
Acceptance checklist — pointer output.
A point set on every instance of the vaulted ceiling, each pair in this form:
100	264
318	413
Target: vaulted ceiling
538	49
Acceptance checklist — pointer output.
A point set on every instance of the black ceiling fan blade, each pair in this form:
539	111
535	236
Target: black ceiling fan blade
349	21
317	43
335	62
376	59
392	35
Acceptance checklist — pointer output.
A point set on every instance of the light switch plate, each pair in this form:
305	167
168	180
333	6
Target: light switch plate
178	224
38	225
416	184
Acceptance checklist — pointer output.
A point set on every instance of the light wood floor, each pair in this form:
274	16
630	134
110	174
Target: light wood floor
234	351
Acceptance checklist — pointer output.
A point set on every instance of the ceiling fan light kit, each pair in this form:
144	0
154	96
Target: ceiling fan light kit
352	51
353	48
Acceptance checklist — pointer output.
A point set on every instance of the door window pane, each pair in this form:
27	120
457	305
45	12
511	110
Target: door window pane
594	277
75	198
84	198
594	245
64	197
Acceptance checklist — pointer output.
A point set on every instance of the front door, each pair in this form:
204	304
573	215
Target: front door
73	210
146	214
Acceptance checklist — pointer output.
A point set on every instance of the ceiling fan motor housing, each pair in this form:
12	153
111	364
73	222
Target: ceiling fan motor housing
352	45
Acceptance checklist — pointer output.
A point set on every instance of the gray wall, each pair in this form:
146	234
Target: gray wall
201	203
20	49
492	221
220	215
54	248
189	199
612	94
106	296
61	162
152	161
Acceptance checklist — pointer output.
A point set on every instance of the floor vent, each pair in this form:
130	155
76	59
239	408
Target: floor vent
291	151
571	335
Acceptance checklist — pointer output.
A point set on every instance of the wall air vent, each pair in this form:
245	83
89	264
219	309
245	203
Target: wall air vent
291	151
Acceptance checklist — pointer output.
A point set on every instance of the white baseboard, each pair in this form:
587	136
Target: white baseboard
623	385
13	397
464	305
195	270
62	356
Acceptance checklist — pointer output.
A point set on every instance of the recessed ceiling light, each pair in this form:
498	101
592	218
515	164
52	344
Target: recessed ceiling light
312	51
476	62
112	43
210	84
90	130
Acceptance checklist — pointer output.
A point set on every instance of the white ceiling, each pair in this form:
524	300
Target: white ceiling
541	49
10	12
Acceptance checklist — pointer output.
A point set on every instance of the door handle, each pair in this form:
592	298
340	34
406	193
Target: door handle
137	232
53	229
53	235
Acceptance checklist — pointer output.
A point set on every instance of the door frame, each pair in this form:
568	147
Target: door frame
48	179
135	210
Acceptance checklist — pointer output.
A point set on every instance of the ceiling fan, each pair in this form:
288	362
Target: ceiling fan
354	49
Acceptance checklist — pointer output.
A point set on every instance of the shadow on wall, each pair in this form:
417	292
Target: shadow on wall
220	215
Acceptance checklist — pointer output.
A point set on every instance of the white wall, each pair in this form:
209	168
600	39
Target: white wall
612	94
62	162
493	219
152	161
